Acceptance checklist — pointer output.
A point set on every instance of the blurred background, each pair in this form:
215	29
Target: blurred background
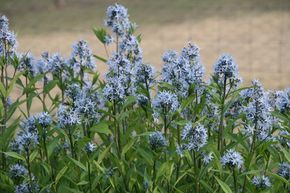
255	32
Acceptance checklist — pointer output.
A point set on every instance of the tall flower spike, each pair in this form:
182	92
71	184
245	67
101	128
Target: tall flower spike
258	110
7	38
81	56
118	19
226	68
28	64
184	70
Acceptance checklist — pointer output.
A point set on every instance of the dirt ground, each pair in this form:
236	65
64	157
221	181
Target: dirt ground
256	33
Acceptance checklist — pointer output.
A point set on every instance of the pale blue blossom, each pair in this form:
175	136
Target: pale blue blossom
184	70
165	102
118	19
195	137
225	69
81	57
261	182
258	111
90	147
17	171
232	159
284	170
67	116
157	140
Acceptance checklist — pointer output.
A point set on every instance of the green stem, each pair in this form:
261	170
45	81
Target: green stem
89	173
195	161
221	124
29	170
235	181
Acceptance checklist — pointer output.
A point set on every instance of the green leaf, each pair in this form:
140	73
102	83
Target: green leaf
286	154
79	164
72	190
224	186
15	155
33	155
60	174
3	90
101	127
100	34
103	154
127	147
49	86
100	58
12	83
82	183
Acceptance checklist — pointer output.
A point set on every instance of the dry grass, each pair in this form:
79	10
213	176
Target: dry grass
256	33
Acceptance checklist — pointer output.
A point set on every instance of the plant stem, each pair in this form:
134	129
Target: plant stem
29	169
154	172
71	143
221	125
26	94
196	172
89	173
235	180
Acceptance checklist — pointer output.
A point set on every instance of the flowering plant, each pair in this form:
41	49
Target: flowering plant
136	130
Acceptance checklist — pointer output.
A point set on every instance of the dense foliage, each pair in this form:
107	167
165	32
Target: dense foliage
136	130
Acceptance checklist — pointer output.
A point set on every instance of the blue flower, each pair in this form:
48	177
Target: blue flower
258	111
22	188
225	68
28	64
284	170
165	102
17	171
232	159
26	140
194	138
67	116
4	23
108	39
7	37
118	19
144	75
81	57
43	118
207	157
184	70
282	100
90	147
157	140
130	46
261	182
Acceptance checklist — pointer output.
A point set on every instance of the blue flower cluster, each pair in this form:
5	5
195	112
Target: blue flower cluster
232	159
184	70
194	138
261	182
258	111
118	19
8	41
157	140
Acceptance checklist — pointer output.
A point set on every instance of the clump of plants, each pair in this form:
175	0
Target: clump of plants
136	130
